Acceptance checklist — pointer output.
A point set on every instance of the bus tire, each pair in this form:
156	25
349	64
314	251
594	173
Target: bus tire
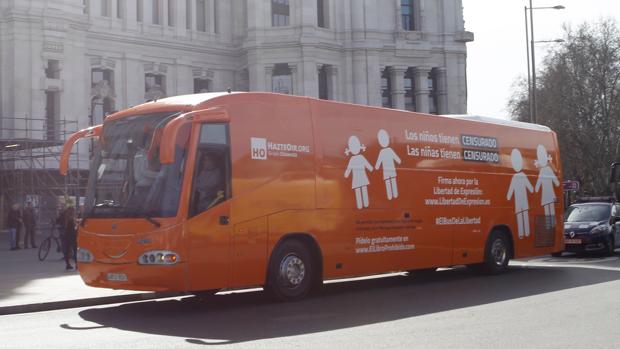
291	271
204	295
496	253
421	273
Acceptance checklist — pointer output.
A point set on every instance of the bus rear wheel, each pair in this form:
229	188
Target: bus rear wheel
496	254
291	271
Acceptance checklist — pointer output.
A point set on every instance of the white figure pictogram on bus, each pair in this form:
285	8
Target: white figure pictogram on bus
387	158
358	166
519	186
546	180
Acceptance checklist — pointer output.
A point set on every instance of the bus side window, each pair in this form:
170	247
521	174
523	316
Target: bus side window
212	174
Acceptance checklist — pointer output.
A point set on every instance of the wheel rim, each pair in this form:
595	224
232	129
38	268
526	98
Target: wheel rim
499	252
292	271
44	249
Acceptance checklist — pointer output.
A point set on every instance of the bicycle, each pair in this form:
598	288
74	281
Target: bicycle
46	244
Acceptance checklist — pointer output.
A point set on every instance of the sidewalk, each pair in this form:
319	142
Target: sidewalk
28	285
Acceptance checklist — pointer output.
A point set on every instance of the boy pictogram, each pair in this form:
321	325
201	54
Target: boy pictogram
387	158
519	186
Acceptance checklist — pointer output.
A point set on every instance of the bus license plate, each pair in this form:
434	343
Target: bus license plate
572	241
116	277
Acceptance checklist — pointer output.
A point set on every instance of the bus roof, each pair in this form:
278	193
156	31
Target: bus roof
189	102
511	123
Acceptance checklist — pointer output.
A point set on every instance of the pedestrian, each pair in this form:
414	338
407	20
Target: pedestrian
29	225
67	224
14	222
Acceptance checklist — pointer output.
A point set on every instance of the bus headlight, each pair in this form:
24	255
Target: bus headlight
159	257
84	255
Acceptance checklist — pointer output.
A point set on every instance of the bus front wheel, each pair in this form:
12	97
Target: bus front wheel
291	271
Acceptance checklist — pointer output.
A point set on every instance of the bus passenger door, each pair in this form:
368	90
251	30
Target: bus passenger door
208	226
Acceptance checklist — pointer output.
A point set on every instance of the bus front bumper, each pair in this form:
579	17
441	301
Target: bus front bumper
134	276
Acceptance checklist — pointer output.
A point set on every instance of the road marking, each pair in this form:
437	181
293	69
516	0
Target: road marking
568	265
573	260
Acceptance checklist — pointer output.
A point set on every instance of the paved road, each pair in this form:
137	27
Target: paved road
569	302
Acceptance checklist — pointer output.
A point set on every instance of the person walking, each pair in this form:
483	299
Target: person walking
66	221
14	222
29	225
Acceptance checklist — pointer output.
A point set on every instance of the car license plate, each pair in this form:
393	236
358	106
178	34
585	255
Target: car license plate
116	277
572	241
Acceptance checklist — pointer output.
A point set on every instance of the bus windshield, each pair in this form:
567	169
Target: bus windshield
127	179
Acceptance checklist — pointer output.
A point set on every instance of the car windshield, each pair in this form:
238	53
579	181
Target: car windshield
127	179
588	213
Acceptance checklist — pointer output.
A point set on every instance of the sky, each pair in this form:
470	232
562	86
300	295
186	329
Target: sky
497	56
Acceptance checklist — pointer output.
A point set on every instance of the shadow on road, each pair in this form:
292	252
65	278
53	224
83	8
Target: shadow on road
252	316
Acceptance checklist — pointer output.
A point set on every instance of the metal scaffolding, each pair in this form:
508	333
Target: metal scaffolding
29	159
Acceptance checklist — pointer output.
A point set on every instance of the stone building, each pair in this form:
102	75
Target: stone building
70	62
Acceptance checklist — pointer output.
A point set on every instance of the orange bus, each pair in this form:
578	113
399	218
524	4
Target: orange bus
231	190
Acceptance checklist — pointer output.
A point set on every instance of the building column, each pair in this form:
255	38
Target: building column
441	90
373	71
332	83
397	14
357	20
360	76
193	15
269	78
295	79
90	7
397	77
130	12
180	18
113	9
421	89
310	78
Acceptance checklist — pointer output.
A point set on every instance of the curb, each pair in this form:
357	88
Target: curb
86	302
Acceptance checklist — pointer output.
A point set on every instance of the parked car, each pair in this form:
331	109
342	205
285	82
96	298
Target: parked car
592	227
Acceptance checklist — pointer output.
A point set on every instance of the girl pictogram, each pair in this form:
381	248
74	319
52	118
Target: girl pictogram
519	186
358	166
546	181
387	158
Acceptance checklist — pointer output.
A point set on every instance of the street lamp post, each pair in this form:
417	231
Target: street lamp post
532	87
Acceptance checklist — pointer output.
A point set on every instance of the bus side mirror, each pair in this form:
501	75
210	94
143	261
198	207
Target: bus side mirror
171	130
94	131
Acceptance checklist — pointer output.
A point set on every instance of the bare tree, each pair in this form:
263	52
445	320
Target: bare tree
578	96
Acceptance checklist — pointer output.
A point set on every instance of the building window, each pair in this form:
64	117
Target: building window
154	86
386	88
282	79
119	8
410	90
53	69
86	5
407	14
171	13
156	11
215	17
280	13
201	15
323	83
322	13
432	96
139	10
102	94
105	8
188	14
52	115
202	85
